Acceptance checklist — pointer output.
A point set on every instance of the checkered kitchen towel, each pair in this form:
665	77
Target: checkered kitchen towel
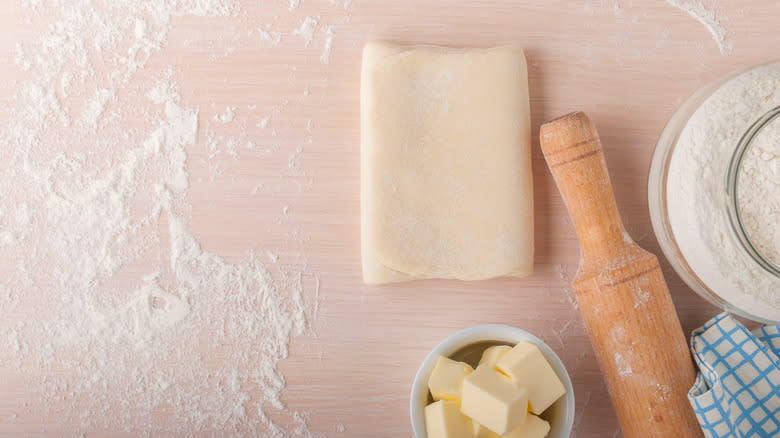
737	392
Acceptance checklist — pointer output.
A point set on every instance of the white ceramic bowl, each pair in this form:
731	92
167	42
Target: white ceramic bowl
467	345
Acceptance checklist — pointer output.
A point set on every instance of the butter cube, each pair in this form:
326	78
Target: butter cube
490	355
446	379
493	400
481	431
533	427
528	368
443	419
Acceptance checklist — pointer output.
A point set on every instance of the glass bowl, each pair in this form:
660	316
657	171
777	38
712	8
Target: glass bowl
657	197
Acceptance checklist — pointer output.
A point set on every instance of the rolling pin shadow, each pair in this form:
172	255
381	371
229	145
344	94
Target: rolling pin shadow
622	294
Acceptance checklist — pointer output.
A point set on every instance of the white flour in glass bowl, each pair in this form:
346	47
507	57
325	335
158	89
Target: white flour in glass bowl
696	200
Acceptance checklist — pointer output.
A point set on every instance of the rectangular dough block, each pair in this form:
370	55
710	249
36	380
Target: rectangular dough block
446	183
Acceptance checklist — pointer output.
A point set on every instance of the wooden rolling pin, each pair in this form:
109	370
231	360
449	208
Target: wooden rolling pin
621	293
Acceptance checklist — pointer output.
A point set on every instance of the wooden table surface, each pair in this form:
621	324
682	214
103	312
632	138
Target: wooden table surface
627	63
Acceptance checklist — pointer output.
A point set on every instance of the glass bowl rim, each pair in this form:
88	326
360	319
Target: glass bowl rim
732	190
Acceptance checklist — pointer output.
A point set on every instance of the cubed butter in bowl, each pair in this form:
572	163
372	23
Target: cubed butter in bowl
492	381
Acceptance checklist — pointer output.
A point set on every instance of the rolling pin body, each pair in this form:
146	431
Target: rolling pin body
622	294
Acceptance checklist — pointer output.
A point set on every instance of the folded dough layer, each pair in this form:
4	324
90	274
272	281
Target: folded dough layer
446	183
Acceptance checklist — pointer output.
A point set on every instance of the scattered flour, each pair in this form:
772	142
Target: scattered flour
111	343
641	299
662	392
344	3
696	192
270	36
568	291
20	58
325	57
307	29
708	18
228	116
623	367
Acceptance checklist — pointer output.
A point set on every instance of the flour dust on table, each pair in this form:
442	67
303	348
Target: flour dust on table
194	344
709	19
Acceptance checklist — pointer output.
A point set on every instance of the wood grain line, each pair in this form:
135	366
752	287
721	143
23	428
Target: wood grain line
576	158
578	144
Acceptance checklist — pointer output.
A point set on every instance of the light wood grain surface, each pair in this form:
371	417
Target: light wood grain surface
627	63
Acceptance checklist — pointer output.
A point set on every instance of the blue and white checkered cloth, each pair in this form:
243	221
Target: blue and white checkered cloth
737	392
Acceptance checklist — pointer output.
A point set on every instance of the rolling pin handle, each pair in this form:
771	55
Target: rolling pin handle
573	151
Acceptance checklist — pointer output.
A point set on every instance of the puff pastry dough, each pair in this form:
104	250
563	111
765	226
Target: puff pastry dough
446	184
